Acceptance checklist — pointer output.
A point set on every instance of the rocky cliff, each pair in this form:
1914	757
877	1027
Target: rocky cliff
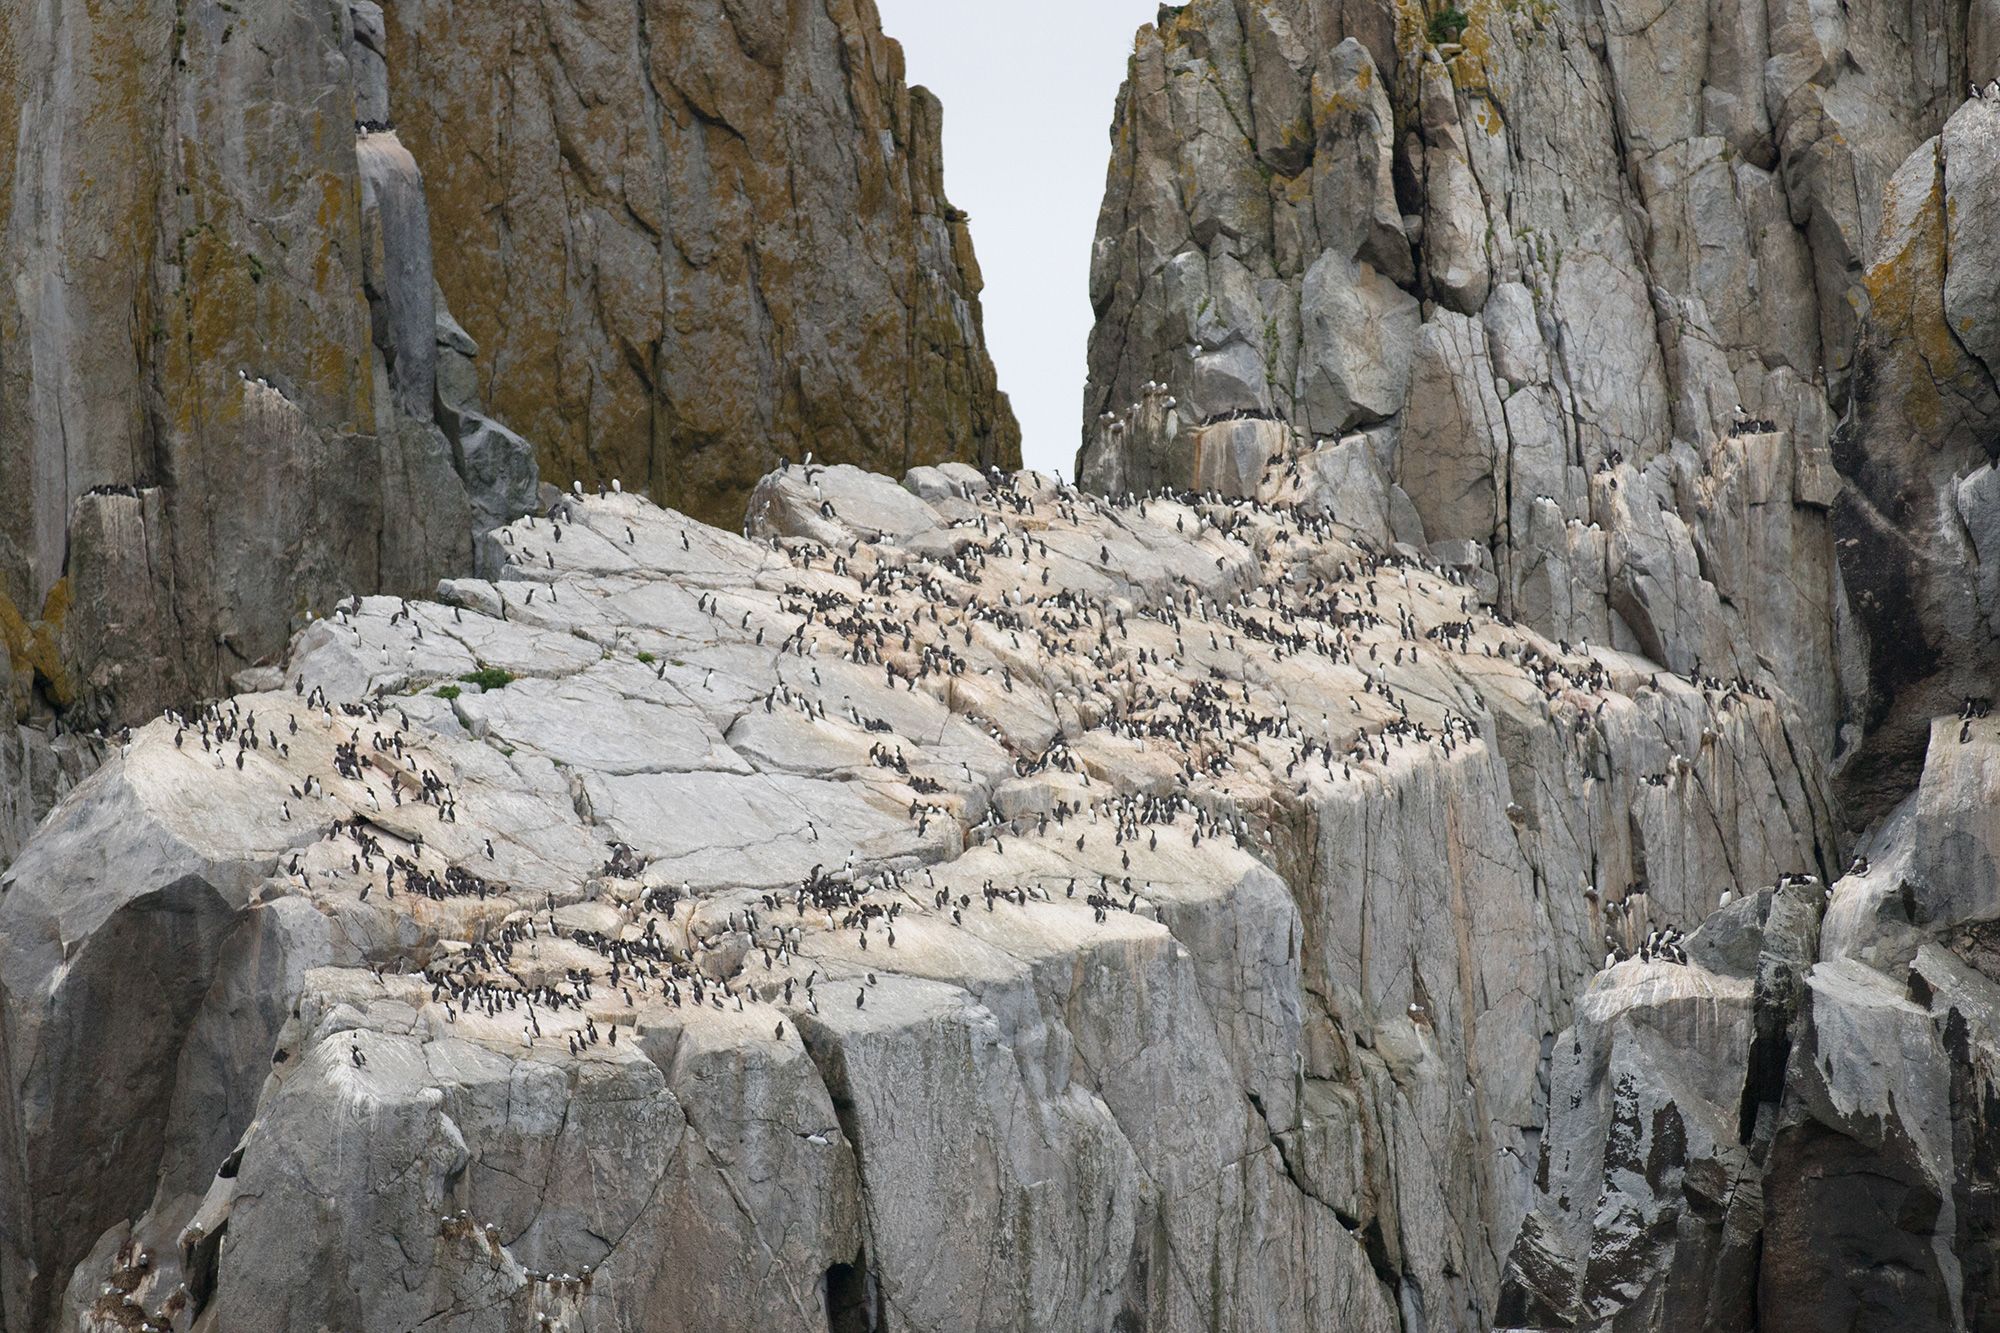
220	401
1477	816
1795	1128
695	237
685	239
1675	326
955	906
1555	263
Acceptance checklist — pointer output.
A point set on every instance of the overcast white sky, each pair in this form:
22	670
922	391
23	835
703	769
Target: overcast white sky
1028	90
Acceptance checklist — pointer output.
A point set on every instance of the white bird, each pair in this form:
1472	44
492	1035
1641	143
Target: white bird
617	487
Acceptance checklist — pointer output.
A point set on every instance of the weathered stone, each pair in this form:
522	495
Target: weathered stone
1230	457
1849	1099
1363	330
241	320
1289	1055
1454	434
1923	415
692	238
396	273
1971	152
1659	218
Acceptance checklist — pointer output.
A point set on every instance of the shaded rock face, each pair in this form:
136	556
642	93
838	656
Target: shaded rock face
1815	1094
693	238
959	905
218	406
1602	280
1919	444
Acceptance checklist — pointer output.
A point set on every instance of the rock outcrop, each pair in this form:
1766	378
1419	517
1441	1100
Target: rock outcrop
1381	856
218	362
1796	1128
1672	328
961	905
693	238
1603	285
1922	513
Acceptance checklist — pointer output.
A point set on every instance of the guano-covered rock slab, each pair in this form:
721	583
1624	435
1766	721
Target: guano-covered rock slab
1001	906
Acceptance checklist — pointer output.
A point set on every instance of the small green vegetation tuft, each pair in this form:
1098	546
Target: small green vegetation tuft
447	692
648	658
1448	26
488	678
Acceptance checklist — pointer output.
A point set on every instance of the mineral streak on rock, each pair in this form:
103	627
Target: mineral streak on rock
963	905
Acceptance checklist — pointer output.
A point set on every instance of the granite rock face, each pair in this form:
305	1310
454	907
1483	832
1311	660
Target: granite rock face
959	905
1919	442
1796	1127
1608	284
218	359
1673	329
695	237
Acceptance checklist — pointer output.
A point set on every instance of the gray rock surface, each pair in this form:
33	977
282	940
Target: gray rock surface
612	940
218	401
1535	458
1548	250
1922	422
1795	1127
696	237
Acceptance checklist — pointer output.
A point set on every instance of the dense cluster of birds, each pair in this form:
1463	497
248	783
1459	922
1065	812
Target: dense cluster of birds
1163	666
1022	595
119	1302
1664	944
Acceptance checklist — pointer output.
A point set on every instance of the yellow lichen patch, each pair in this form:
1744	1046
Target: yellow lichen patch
1469	69
1179	25
32	645
1411	22
1905	298
1331	105
218	309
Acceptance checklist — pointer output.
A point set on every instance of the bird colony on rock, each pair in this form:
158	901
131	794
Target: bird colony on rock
968	904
